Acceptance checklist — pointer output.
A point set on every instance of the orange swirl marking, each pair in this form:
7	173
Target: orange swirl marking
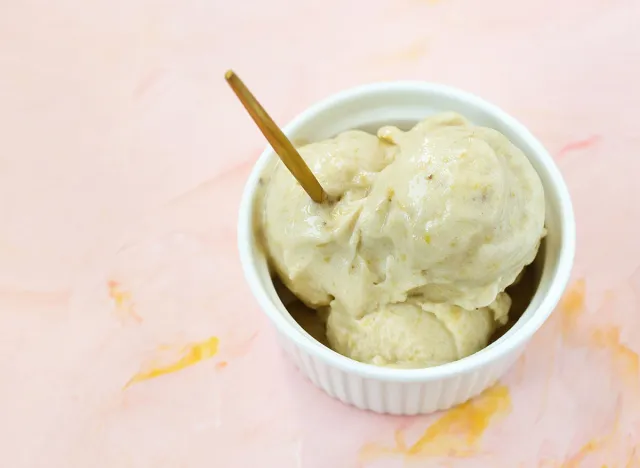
192	354
457	433
462	427
123	303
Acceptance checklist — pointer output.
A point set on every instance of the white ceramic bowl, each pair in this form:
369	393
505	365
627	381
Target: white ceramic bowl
411	391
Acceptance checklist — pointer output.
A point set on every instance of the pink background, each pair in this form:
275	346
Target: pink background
122	159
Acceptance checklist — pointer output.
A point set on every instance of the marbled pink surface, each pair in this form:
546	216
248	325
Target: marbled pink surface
122	159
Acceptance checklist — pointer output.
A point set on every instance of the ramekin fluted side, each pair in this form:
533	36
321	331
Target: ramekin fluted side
398	398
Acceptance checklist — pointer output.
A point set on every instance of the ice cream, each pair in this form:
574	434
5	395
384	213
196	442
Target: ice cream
424	231
415	333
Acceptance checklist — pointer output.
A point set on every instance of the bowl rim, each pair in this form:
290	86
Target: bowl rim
469	363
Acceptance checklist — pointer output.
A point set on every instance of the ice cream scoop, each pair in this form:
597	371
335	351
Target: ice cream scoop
414	333
444	216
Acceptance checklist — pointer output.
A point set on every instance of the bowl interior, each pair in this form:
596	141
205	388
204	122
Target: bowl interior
403	105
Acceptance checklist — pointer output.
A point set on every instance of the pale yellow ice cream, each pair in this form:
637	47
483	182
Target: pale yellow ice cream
415	333
424	227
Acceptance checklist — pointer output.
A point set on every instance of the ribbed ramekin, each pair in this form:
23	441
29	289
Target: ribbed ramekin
411	391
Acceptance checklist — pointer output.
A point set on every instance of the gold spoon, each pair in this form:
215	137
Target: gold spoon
278	141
